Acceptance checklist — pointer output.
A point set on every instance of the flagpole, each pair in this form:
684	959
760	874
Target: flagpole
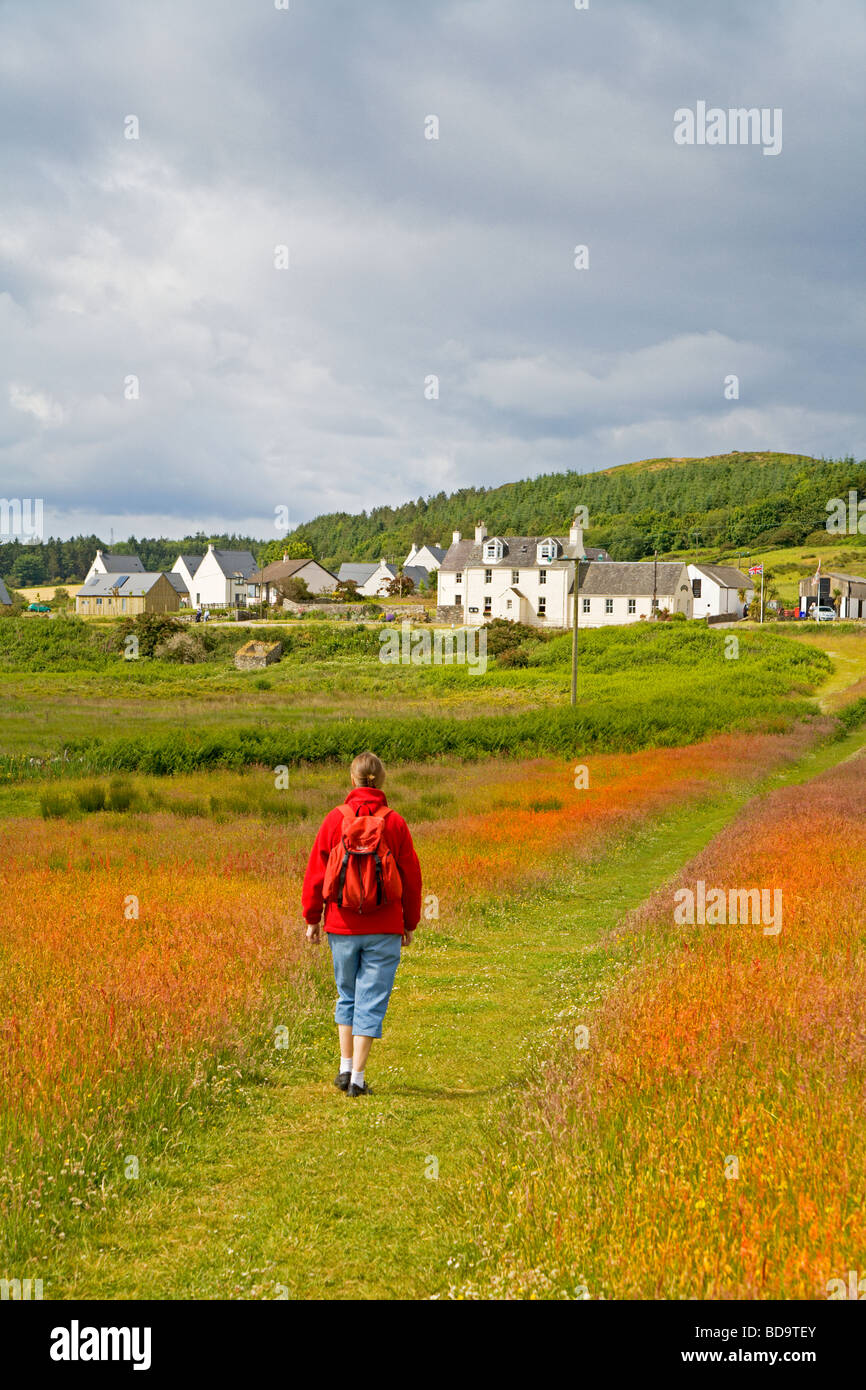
762	591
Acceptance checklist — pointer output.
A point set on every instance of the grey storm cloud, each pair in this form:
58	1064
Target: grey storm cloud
259	127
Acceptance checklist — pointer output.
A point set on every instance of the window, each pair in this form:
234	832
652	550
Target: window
508	603
488	576
586	605
515	576
608	605
542	576
542	607
549	549
457	598
487	603
458	578
494	549
99	603
632	605
696	588
123	605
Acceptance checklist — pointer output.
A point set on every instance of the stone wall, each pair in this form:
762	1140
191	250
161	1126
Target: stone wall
449	613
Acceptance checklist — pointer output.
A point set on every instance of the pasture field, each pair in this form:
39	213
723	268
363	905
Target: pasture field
167	1123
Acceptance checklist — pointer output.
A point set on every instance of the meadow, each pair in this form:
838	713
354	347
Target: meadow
707	1142
155	988
150	958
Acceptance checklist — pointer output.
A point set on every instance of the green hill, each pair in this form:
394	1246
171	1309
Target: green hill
763	499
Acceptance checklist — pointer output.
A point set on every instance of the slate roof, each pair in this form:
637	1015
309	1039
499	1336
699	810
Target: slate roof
360	573
122	564
520	552
126	585
192	562
4	593
176	581
417	573
727	575
233	561
608	578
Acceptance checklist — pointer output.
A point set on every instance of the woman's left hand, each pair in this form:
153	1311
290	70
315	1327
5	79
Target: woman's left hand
314	933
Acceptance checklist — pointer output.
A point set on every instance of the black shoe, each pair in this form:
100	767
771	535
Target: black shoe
364	1090
342	1080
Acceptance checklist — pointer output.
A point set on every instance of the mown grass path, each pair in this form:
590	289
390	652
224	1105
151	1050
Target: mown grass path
302	1190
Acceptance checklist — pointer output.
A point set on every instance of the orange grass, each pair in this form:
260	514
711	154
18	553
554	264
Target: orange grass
722	1044
113	1024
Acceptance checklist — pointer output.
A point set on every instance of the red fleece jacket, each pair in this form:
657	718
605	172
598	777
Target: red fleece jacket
393	917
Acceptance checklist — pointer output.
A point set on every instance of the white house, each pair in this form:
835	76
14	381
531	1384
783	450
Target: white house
715	591
222	579
613	592
4	595
524	578
185	567
106	563
429	557
317	579
373	580
356	572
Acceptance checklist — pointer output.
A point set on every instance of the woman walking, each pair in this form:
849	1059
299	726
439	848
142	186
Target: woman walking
364	871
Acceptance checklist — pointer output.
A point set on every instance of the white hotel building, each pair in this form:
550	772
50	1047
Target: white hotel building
530	579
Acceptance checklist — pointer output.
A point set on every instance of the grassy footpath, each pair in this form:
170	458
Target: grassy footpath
300	1189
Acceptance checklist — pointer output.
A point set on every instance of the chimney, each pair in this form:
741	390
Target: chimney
575	537
455	537
480	532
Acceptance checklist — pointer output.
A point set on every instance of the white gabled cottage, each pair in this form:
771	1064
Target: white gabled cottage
716	591
527	579
222	579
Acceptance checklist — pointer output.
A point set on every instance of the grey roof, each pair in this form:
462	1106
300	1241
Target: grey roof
607	578
841	574
417	573
727	575
360	573
121	564
435	550
4	593
124	584
232	562
176	581
520	551
192	562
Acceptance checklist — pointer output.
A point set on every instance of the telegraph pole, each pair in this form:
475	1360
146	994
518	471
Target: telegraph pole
574	633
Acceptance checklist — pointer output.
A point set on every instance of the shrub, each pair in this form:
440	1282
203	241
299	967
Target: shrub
120	795
185	648
53	805
512	657
91	798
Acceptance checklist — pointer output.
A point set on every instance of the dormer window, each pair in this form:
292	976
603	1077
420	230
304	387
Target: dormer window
548	550
494	550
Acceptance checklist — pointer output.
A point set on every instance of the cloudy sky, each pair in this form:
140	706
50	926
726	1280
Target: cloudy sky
148	263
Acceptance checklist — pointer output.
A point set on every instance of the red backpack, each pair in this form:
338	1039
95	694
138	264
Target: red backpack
361	874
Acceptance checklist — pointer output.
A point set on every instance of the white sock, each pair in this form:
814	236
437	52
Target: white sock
345	1064
357	1078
